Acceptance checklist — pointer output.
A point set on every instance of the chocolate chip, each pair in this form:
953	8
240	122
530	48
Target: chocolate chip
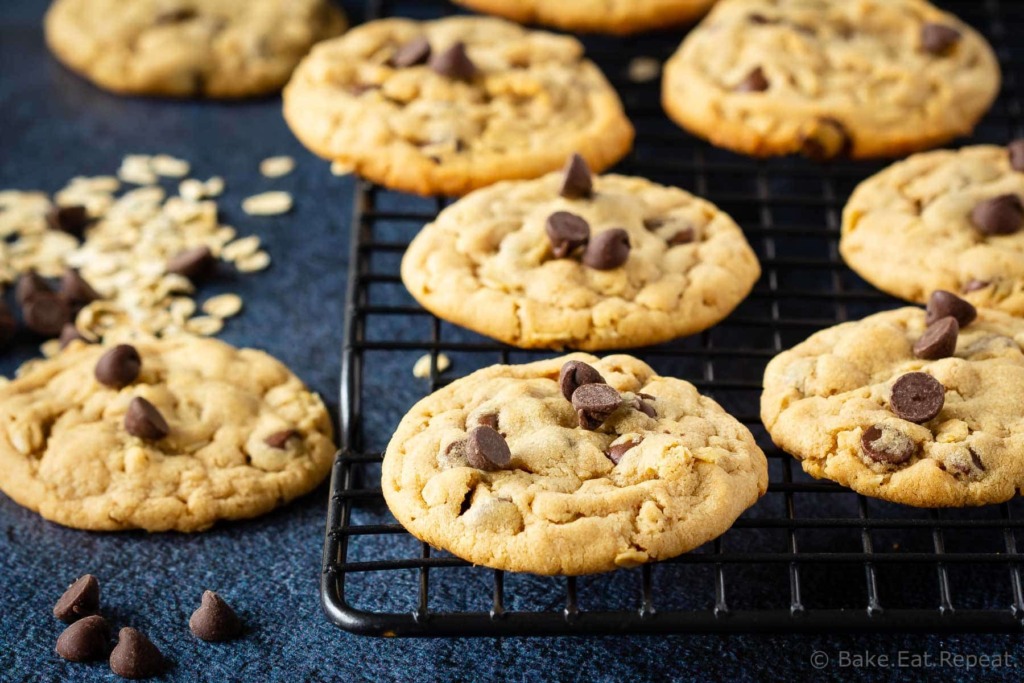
567	232
1016	152
938	39
607	250
81	599
578	181
28	284
486	449
145	421
488	420
196	264
684	236
575	374
45	313
75	289
917	397
1002	215
176	16
975	285
86	640
595	402
7	324
760	19
416	51
653	223
69	219
755	81
135	656
646	408
215	620
887	445
825	139
939	340
70	333
616	451
942	303
280	439
454	63
118	367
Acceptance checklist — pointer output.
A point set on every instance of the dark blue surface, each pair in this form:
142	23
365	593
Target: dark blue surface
53	126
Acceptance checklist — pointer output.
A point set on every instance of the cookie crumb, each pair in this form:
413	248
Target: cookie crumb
268	204
422	367
644	69
340	168
276	167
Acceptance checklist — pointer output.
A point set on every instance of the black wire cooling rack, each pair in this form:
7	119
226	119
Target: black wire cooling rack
809	557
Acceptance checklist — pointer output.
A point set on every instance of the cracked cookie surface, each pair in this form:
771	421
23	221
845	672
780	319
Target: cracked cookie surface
562	506
487	264
821	397
533	100
771	77
599	16
65	451
908	230
189	48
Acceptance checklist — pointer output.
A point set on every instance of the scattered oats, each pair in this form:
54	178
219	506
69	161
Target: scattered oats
240	248
251	264
169	167
223	306
50	348
181	309
214	187
422	367
137	169
341	168
268	204
644	69
204	325
275	167
192	189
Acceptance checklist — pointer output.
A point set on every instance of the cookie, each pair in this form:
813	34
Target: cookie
497	469
449	106
598	16
536	265
862	78
942	220
189	48
197	432
879	406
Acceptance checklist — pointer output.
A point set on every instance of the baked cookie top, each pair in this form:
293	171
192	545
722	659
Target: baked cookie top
189	48
445	107
497	469
933	423
943	220
198	431
599	16
864	78
648	263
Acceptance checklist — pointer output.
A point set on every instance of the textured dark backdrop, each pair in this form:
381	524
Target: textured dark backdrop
53	126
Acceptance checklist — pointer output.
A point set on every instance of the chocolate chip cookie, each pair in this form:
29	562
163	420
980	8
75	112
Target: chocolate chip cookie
918	407
599	16
864	78
189	48
946	219
445	107
162	435
571	260
570	465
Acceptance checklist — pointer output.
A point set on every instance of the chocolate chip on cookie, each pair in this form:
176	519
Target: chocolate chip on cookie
69	219
196	264
45	313
7	324
145	421
575	374
755	81
942	303
939	340
1002	215
578	181
646	408
938	39
454	63
175	16
81	599
135	655
567	232
68	334
594	403
119	366
280	439
887	445
824	139
75	290
214	620
1016	151
917	397
28	284
488	420
416	51
616	451
607	250
684	236
86	640
486	449
975	285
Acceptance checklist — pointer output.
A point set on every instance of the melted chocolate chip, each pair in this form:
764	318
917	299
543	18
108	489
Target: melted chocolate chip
144	420
567	232
607	250
578	182
575	374
81	599
939	340
454	63
86	640
684	236
486	449
616	451
118	367
938	39
942	303
646	408
1002	215
917	397
416	51
887	445
755	81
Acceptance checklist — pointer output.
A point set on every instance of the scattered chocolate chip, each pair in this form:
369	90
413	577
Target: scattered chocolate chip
135	656
595	402
75	289
1016	151
69	219
488	420
454	63
825	139
70	333
81	599
486	449
646	408
578	182
28	284
942	303
575	374
887	445
755	81
939	340
7	324
607	250
45	313
1002	215
567	232
279	439
616	451
938	39
416	51
118	367
215	620
975	285
86	640
917	397
145	421
196	264
684	236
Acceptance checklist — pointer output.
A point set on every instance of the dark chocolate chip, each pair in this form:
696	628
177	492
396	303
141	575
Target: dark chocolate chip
646	408
975	285
917	397
575	374
81	599
119	366
1002	215
176	16
416	51
215	620
145	421
454	63
280	439
607	250
135	656
942	303
567	232
86	640
69	219
684	236
7	324
653	223
588	421
486	449
196	264
595	402
1016	151
578	181
755	81
938	39
28	284
976	459
825	139
45	313
939	340
616	451
888	445
488	420
75	289
70	333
